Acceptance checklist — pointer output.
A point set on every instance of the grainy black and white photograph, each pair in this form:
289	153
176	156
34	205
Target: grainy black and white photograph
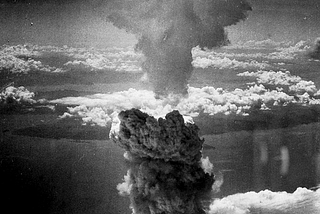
160	106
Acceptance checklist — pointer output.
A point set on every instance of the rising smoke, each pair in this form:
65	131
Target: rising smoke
315	54
167	30
167	174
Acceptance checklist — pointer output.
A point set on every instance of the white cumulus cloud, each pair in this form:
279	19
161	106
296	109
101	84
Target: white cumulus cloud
267	202
18	59
12	96
103	108
225	62
295	84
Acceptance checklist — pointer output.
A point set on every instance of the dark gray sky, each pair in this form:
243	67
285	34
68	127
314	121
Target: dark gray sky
280	20
58	23
82	22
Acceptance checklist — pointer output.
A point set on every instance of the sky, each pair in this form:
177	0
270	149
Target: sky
280	20
83	23
70	23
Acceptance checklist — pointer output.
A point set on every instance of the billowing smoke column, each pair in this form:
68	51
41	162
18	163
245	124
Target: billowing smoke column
168	29
167	173
316	52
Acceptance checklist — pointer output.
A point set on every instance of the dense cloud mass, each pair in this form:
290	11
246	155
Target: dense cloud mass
168	139
19	59
226	63
289	83
168	30
266	202
102	109
12	96
271	88
166	174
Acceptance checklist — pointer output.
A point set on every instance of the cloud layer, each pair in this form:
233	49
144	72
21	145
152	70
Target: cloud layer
19	59
267	202
284	81
28	58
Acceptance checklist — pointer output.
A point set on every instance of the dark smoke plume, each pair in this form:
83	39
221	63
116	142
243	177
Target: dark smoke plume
315	54
168	29
165	174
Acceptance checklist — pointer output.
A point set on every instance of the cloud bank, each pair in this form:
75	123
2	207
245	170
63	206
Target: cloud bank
284	80
28	58
18	59
117	59
267	202
226	63
102	108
